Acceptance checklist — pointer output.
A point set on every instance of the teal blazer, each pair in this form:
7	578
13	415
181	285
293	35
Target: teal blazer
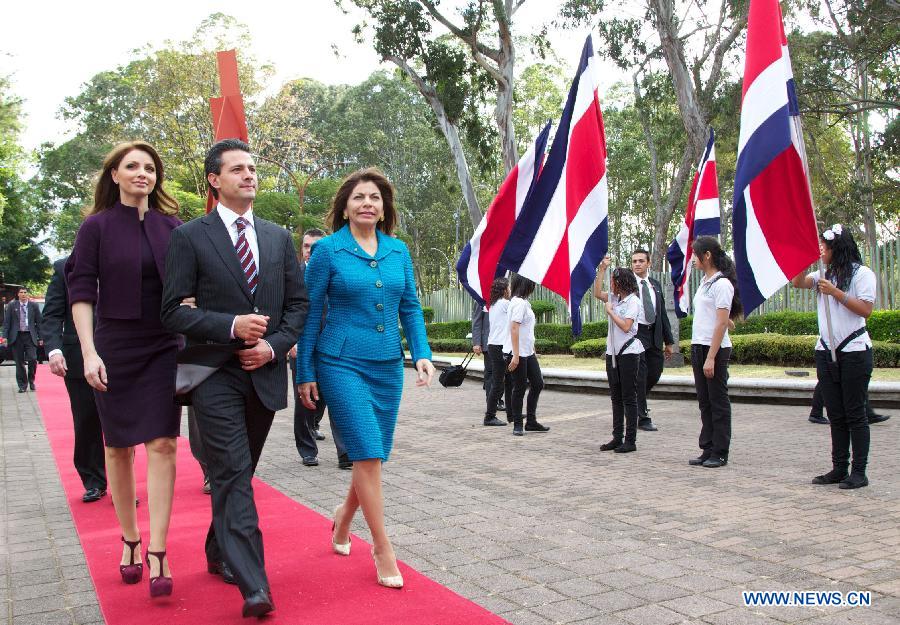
366	296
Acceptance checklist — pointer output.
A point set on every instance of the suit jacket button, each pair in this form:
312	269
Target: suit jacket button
373	264
378	284
379	306
380	328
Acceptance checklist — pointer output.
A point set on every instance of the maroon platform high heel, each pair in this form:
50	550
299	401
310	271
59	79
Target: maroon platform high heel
132	573
160	586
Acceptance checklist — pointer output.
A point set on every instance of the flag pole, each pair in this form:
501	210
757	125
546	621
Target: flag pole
612	333
826	299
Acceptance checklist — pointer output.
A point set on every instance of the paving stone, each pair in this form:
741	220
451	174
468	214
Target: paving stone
651	615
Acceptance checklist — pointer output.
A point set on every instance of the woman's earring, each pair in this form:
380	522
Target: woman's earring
381	218
345	214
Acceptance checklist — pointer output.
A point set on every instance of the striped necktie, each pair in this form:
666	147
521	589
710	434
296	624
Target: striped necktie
245	255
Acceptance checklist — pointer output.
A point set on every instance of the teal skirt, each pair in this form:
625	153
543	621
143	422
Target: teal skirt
363	397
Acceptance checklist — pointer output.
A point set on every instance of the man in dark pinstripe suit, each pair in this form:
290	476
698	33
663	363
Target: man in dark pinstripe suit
244	274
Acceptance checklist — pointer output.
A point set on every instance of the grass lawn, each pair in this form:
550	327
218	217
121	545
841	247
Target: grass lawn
561	361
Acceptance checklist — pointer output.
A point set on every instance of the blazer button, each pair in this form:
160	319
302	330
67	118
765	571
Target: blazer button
378	284
373	264
379	306
380	328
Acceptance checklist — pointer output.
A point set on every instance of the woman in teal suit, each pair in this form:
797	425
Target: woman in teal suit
355	358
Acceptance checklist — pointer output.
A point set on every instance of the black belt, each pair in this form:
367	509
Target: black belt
645	326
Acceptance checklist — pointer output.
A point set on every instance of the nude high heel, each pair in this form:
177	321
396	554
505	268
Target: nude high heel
342	549
392	581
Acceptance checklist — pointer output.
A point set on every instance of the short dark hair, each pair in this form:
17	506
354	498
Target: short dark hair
641	250
625	280
520	286
212	164
313	232
22	288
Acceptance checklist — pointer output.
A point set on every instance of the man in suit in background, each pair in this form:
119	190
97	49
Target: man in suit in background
654	331
64	353
21	327
245	278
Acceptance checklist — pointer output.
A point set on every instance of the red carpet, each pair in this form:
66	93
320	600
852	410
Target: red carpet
310	585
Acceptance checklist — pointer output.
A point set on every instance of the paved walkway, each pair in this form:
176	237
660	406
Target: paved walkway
544	528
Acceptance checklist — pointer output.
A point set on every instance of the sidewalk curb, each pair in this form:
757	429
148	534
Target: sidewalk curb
750	390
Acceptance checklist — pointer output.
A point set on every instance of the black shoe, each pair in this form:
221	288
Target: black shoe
310	461
318	435
257	603
832	477
647	426
344	462
221	568
613	444
714	463
854	480
820	420
207	488
699	460
92	494
517	430
21	389
501	407
493	421
534	426
625	448
878	418
32	386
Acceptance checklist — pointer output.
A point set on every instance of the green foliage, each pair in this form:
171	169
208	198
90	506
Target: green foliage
448	330
884	325
428	313
590	348
542	309
791	351
541	346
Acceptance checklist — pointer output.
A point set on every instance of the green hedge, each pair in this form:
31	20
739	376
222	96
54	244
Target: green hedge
761	349
884	325
791	351
541	309
542	346
428	313
449	329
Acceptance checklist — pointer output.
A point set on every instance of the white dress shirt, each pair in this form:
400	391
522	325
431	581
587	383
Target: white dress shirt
229	218
643	317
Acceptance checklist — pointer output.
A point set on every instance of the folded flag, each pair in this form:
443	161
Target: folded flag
478	264
561	233
775	235
701	217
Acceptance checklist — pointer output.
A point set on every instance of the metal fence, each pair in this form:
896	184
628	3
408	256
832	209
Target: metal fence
455	304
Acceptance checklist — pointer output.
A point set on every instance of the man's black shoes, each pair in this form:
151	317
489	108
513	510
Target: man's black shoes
221	568
493	421
714	462
878	418
318	435
613	444
832	477
257	603
625	448
698	461
92	494
819	419
32	386
854	480
310	461
647	426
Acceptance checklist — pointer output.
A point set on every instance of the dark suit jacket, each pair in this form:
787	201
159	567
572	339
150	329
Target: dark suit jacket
662	330
57	326
481	326
108	250
201	262
11	321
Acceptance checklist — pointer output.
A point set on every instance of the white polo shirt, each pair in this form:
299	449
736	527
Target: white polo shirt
628	308
843	320
498	318
520	312
711	296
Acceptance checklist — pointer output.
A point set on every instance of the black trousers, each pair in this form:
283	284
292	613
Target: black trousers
500	382
526	376
624	381
24	352
818	404
651	367
89	456
845	399
233	426
306	421
196	442
715	406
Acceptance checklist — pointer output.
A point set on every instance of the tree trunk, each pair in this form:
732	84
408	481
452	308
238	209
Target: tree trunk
673	50
664	216
503	113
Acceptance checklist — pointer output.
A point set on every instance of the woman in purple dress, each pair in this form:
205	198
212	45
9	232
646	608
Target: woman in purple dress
116	269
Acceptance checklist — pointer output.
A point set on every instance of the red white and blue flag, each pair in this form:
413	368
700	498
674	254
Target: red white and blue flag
478	264
700	218
561	234
775	235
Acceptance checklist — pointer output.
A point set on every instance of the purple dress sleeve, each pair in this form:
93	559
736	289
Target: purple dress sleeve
83	266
